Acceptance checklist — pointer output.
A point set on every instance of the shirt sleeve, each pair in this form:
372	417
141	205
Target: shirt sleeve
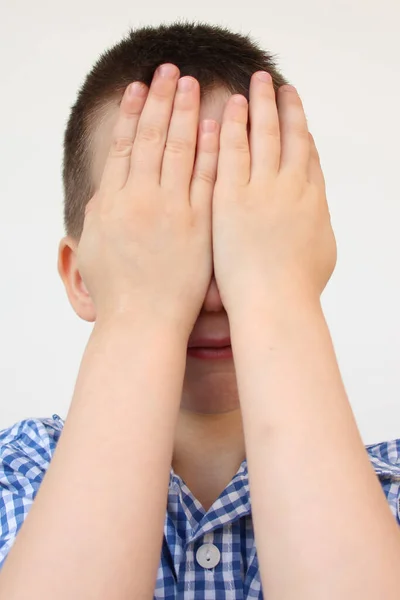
26	449
385	458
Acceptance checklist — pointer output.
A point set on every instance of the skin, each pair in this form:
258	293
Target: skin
269	209
323	528
210	417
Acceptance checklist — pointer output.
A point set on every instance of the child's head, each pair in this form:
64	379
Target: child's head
216	57
223	63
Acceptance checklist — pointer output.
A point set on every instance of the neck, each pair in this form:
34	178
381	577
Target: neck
208	451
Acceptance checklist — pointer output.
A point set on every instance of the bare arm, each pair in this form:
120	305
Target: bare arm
322	524
145	256
95	528
323	528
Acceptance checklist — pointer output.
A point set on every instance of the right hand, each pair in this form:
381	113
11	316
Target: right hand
146	247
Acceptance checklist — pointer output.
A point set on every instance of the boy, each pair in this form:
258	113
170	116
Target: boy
201	253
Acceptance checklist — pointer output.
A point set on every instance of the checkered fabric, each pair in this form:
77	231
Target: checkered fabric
26	449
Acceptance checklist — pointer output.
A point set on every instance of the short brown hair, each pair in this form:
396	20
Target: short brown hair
215	56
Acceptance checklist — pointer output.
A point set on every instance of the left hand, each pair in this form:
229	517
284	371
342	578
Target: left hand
272	234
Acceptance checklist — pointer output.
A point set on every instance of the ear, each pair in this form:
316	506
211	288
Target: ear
77	293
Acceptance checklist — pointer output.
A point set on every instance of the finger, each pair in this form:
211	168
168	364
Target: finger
118	161
180	149
205	167
234	154
295	143
265	143
149	144
314	172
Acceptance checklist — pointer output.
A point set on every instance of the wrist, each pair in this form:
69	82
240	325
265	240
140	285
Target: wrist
141	326
279	311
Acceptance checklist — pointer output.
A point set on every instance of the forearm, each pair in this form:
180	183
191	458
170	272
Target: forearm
95	528
323	527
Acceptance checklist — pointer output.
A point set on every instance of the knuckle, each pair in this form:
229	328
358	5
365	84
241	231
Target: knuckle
204	175
210	150
240	145
298	128
235	139
150	134
121	146
314	192
269	130
291	181
178	145
299	176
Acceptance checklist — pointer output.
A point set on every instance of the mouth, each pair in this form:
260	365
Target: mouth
211	349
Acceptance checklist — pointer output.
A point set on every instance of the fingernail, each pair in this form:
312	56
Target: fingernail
137	88
185	84
264	76
288	88
241	100
167	70
208	126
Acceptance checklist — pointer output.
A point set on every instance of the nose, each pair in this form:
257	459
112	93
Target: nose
212	301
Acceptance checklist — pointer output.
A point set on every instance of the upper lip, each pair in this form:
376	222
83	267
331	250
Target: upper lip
209	342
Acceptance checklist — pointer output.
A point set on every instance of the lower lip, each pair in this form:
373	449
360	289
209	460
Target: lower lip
211	353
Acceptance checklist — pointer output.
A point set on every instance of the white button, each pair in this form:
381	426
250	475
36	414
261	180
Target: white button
208	556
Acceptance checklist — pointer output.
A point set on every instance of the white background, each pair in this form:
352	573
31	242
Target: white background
343	57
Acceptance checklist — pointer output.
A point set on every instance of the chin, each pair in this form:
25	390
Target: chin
212	391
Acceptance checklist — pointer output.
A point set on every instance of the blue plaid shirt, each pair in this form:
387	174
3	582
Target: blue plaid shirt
225	530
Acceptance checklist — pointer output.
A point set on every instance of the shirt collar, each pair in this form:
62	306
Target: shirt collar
233	502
